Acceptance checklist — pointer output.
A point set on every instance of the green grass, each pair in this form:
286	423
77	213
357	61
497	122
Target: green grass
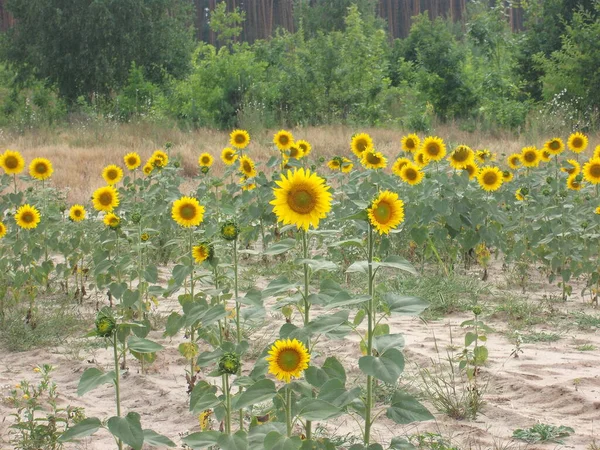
586	321
519	312
542	432
586	347
539	336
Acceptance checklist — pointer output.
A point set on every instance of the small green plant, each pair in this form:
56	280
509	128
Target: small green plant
586	347
518	340
431	441
542	432
586	321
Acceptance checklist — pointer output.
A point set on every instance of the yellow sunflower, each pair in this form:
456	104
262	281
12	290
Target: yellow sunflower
461	156
386	212
205	160
335	163
373	160
574	182
202	252
545	155
288	358
507	176
399	164
485	155
554	146
597	210
421	159
410	143
12	162
572	168
295	152
489	178
159	158
577	142
187	212
514	161
41	168
247	167
111	220
283	140
472	169
301	199
105	198
596	152
239	138
132	160
530	157
112	174
27	217
411	174
148	168
229	156
304	146
346	165
247	185
519	195
361	143
591	171
2	230
434	148
77	213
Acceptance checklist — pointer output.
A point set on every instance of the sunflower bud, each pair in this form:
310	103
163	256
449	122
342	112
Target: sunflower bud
168	145
476	310
524	190
136	217
584	225
144	237
546	192
176	164
230	231
549	180
229	363
204	169
105	324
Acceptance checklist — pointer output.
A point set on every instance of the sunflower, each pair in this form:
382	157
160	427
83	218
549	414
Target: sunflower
301	199
461	156
507	176
77	213
187	212
159	158
27	217
519	195
144	237
489	178
411	174
230	231
373	160
111	220
410	143
554	146
239	139
596	152
434	148
2	230
574	182
530	157
283	140
105	198
288	358
514	161
132	160
361	143
229	156
247	167
205	160
399	164
112	174
573	167
335	163
247	186
472	169
591	171
148	168
597	210
485	155
386	212
12	162
346	165
421	159
304	146
577	142
41	168
202	252
295	152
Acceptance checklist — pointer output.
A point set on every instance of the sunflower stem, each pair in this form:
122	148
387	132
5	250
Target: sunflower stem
192	330
370	324
117	386
140	271
227	393
288	409
308	427
237	314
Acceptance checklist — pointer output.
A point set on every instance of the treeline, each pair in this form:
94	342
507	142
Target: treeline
140	60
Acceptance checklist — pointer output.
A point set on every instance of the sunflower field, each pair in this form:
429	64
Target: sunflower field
339	235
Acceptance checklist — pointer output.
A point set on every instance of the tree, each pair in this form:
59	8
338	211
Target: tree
226	25
86	47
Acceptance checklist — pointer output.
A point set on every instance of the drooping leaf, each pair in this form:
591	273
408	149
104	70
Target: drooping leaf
92	378
281	247
128	429
80	430
158	440
142	345
387	367
406	409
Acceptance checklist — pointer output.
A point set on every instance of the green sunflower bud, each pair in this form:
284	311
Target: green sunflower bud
476	310
105	324
229	363
549	180
546	192
176	164
524	191
584	225
168	145
230	231
136	217
204	169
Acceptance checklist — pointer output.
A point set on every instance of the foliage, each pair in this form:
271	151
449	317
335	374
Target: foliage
542	432
226	25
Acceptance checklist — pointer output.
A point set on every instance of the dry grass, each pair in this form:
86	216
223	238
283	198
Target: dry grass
79	152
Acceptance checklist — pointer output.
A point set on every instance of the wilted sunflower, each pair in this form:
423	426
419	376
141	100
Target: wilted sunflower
105	198
577	142
421	159
202	252
399	164
288	358
507	176
112	174
545	156
591	171
346	165
187	212
530	157
159	158
489	178
410	143
205	160
295	152
77	213
411	174
519	195
514	161
2	230
554	146
301	199
41	168
574	182
283	140
361	143
572	167
484	156
239	138
230	231
434	148
132	160
386	212
12	162
27	217
472	169
111	220
229	156
148	168
304	146
461	156
373	160
335	163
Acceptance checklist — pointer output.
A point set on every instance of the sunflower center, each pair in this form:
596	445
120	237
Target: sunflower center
554	145
372	158
303	147
247	167
188	211
577	142
595	170
288	360
77	213
433	149
383	212
294	152
490	178
205	159
514	160
401	164
132	161
470	169
410	174
529	156
11	162
301	201
105	199
41	168
410	143
27	217
284	140
461	155
240	139
112	174
362	145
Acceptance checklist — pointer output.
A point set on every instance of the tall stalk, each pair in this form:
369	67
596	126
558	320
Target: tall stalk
237	314
370	326
117	387
192	329
308	427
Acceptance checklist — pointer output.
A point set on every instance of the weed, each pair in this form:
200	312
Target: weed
586	321
586	347
519	312
432	441
535	336
542	432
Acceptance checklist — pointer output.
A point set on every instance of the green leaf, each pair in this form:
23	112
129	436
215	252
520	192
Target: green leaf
278	286
481	354
257	434
386	367
344	299
157	440
347	243
325	324
202	440
259	392
334	392
214	314
92	378
151	274
80	430
180	273
315	376
175	323
470	337
406	409
397	262
281	247
387	341
334	369
237	441
277	441
318	264
142	345
409	306
130	298
401	444
315	409
128	429
203	397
